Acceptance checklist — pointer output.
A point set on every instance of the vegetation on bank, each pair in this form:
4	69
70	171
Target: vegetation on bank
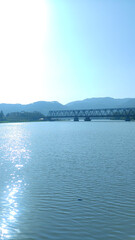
21	117
123	118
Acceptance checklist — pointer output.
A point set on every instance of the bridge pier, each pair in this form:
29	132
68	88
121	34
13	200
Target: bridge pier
87	119
76	119
128	119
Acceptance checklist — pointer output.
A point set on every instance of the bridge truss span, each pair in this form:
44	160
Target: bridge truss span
126	113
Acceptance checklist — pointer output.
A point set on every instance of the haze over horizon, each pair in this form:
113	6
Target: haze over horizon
66	50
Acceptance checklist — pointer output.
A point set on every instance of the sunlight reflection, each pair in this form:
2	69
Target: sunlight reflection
11	211
17	154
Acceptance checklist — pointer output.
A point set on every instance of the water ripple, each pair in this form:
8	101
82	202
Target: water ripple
47	167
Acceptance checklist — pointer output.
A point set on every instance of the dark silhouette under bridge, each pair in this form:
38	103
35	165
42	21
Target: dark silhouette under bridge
88	114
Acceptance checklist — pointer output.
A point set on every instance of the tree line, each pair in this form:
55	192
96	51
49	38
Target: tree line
21	116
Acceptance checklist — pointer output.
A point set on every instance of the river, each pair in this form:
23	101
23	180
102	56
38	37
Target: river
67	180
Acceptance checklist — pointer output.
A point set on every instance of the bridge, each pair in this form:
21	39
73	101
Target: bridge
88	114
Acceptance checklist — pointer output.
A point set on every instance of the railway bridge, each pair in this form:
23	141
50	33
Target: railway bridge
88	114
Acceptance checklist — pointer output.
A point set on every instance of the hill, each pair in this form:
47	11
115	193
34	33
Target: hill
41	106
90	103
98	103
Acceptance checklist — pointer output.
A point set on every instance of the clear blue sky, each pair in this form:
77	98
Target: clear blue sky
66	50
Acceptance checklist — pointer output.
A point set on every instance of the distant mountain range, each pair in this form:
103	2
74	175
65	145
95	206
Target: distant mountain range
89	103
99	103
42	107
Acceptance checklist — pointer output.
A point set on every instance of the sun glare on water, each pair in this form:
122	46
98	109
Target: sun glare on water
16	155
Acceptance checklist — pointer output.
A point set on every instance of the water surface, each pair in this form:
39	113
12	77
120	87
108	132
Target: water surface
67	180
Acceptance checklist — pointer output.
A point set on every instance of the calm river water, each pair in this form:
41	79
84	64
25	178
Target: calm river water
67	181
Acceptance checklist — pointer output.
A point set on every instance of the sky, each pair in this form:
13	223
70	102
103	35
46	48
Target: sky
66	50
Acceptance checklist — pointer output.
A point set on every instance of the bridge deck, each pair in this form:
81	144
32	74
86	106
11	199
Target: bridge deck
94	113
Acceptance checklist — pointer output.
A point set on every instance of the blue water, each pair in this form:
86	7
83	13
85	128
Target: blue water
67	181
